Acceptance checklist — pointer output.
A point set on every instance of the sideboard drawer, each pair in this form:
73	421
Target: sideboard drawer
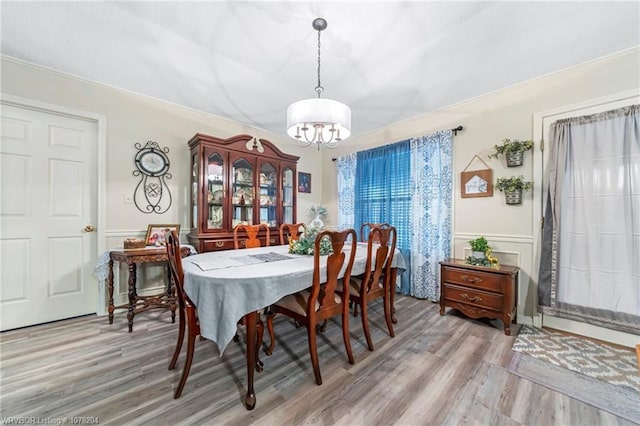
215	245
476	279
473	297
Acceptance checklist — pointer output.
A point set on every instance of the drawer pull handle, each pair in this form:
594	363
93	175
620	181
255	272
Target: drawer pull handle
219	243
472	280
471	298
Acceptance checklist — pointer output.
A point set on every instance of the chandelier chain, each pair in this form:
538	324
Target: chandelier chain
319	88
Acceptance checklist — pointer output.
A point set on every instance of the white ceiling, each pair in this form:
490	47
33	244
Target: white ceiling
247	61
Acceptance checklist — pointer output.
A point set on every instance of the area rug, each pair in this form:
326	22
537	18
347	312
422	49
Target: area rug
612	364
595	373
617	400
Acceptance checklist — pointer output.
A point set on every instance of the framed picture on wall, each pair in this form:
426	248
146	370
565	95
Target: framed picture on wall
477	183
155	234
304	182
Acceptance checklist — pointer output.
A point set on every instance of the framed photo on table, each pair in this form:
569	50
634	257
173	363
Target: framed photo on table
304	182
155	234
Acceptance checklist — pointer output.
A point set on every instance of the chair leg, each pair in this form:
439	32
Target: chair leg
387	315
272	336
364	314
269	350
392	299
191	343
345	334
176	352
313	351
258	342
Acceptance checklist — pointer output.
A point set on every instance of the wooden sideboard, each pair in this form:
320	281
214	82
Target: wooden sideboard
480	292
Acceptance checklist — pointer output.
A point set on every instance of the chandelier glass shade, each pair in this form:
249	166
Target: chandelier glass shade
320	121
323	122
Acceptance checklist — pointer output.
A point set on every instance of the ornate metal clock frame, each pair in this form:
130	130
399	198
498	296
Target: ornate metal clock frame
152	194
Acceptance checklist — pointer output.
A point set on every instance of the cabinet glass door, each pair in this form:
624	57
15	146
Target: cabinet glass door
242	192
268	195
287	195
195	174
215	191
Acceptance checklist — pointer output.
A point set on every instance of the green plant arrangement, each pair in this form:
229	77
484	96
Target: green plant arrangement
513	184
511	146
479	244
305	245
513	187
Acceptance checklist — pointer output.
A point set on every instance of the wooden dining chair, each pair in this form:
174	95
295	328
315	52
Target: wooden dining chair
376	281
291	230
251	234
252	241
312	306
368	227
188	313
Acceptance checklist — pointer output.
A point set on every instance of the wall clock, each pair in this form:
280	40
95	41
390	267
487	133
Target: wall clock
152	194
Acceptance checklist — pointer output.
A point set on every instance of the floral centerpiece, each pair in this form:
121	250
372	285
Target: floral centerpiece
306	243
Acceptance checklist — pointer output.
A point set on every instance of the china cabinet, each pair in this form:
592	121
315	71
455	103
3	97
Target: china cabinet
238	180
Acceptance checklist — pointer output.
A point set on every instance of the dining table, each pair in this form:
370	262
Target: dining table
230	285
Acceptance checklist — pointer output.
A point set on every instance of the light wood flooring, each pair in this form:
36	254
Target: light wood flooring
437	370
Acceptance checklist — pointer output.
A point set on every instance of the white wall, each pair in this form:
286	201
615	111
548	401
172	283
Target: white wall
487	119
134	118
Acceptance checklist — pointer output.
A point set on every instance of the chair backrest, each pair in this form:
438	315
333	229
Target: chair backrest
382	240
174	258
251	232
366	228
324	287
291	230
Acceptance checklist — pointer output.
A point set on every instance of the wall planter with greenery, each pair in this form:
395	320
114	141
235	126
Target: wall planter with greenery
513	187
513	151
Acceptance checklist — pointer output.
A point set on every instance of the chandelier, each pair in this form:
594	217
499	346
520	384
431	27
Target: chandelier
319	121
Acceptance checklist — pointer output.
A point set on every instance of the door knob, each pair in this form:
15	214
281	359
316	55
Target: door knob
89	228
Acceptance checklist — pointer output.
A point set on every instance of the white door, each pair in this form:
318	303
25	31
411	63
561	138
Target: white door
48	184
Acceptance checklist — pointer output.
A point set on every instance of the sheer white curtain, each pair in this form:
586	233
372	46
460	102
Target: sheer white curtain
592	254
346	166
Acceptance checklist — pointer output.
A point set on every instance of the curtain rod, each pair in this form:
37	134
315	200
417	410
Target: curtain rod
455	131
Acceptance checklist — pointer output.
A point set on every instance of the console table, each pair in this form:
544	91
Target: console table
480	292
137	303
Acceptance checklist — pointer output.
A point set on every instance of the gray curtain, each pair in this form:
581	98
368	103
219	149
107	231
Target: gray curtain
590	259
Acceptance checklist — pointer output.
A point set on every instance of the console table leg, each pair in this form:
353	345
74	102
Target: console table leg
132	294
